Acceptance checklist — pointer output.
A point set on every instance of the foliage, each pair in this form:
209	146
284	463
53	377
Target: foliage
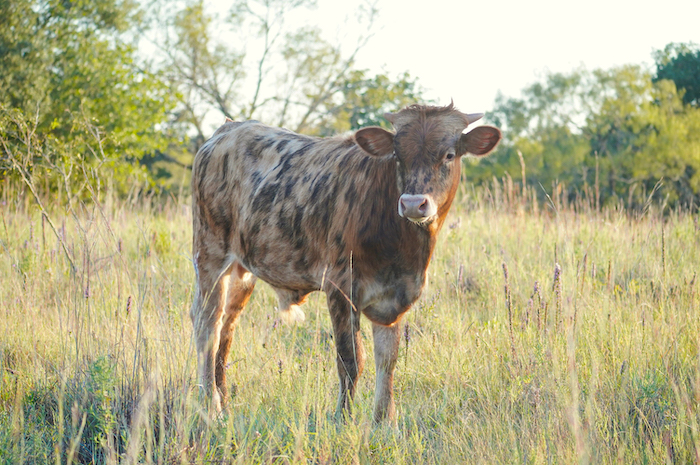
366	99
254	63
93	102
68	72
615	131
647	138
680	63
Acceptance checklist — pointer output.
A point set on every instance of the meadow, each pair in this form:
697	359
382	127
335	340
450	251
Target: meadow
550	332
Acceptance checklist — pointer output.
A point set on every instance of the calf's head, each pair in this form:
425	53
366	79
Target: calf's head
428	145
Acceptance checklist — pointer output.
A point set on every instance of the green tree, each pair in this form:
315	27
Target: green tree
364	99
617	128
284	81
285	75
668	147
68	72
646	137
680	63
545	125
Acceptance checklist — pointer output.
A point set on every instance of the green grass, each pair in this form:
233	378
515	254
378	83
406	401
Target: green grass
601	366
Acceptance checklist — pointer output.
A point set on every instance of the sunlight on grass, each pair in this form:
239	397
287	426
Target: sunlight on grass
596	362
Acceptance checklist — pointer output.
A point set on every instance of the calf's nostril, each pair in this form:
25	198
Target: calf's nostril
423	207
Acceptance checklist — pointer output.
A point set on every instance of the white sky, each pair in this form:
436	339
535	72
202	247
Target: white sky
469	50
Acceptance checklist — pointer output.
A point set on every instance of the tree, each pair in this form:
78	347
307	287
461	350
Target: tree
545	125
67	71
680	63
646	137
252	64
363	100
667	146
618	128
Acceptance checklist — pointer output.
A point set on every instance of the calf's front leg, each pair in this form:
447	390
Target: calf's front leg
349	348
386	352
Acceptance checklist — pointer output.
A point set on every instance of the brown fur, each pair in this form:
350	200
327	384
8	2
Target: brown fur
306	214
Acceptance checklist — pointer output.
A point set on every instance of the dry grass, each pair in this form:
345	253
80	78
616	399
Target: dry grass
596	362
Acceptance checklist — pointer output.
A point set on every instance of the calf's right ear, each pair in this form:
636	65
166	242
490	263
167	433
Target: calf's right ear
375	141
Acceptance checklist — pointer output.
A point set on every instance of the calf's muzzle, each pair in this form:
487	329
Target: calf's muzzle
417	207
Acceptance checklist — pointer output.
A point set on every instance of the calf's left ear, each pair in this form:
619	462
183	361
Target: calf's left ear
375	141
479	141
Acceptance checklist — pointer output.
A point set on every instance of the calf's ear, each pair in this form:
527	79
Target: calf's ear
479	141
375	141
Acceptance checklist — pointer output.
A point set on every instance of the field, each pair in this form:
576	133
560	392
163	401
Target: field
550	333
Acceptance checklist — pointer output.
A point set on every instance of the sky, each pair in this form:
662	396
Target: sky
470	50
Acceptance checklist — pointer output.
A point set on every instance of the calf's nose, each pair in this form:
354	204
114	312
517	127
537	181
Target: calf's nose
416	206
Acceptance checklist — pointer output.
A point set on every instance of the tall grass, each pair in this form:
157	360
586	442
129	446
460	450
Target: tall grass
552	333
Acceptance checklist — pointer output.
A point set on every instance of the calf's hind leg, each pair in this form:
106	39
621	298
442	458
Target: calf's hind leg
240	287
207	311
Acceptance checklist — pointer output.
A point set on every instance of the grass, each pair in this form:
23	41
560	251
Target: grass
503	359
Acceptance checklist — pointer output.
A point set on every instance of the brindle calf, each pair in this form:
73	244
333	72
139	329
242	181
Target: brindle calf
355	217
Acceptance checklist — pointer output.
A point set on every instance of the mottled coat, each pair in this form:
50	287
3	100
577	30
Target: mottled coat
355	216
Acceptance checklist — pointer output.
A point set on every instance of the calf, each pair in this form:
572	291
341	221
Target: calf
354	216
